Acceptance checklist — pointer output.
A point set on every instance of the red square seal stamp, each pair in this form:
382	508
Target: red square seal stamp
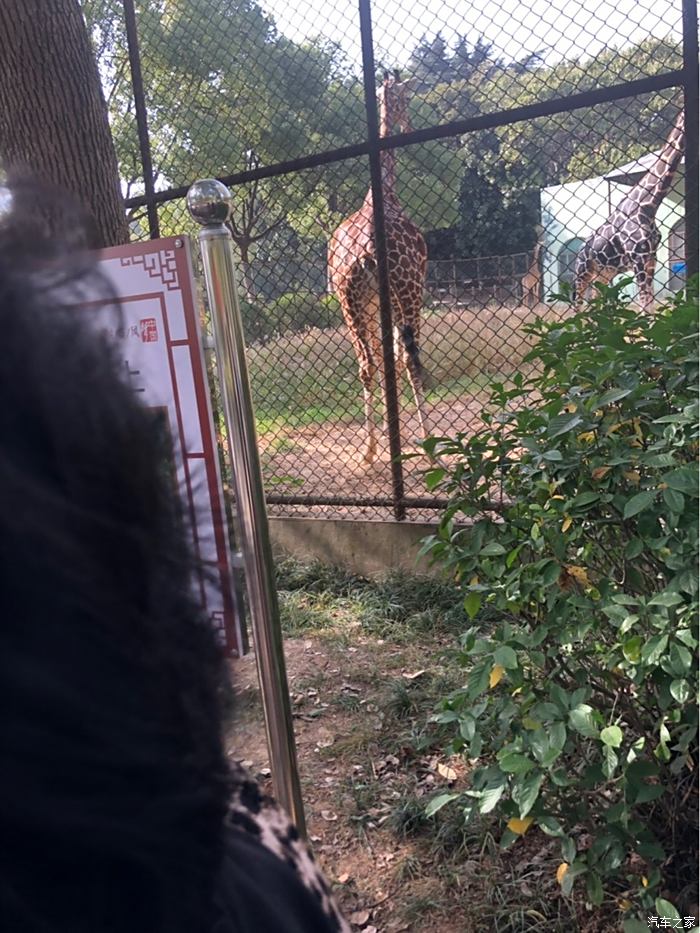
149	329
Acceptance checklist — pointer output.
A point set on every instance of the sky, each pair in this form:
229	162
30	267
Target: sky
557	28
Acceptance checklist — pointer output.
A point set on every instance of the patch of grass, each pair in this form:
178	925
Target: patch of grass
310	378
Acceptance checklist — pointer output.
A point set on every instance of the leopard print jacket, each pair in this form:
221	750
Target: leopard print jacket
255	813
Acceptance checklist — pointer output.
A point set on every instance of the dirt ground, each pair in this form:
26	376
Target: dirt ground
358	719
327	460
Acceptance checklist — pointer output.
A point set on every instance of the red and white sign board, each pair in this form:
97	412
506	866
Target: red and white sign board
156	327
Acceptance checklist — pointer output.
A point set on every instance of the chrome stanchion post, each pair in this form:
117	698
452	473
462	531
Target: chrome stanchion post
209	203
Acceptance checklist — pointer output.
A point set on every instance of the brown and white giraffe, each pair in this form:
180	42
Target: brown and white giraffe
352	265
629	238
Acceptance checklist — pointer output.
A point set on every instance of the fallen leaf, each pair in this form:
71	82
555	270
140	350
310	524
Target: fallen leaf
561	871
343	878
414	675
580	574
520	827
329	816
600	472
496	675
624	904
359	918
370	929
448	773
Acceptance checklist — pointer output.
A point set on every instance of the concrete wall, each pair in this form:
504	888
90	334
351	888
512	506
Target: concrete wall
366	548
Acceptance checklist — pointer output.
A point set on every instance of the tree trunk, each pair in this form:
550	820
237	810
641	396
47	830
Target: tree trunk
246	271
54	128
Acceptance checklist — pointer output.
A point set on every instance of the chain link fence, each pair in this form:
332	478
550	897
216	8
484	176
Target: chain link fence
505	133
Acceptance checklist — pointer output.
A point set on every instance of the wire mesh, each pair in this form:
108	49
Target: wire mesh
258	90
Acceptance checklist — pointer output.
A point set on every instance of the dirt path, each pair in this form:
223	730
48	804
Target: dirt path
359	706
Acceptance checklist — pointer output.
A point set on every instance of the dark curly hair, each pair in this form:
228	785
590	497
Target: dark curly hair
113	778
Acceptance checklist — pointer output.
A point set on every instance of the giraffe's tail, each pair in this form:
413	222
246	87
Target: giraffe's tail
408	336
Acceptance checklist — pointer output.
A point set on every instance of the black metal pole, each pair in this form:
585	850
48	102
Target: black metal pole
690	93
141	117
385	316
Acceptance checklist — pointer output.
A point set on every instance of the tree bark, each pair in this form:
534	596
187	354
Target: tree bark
54	129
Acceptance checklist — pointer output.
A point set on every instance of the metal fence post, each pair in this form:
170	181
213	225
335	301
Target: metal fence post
391	399
690	102
209	203
132	39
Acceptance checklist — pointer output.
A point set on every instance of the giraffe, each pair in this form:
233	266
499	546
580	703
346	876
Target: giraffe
629	237
352	266
531	282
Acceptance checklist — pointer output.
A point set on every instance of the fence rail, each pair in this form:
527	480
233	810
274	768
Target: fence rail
500	159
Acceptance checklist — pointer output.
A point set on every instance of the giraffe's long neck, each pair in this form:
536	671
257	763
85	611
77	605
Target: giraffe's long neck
656	183
387	157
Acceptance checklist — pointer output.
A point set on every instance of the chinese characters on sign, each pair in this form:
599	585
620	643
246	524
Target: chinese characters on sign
156	328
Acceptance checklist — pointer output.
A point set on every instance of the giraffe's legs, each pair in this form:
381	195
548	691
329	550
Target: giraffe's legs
644	269
368	378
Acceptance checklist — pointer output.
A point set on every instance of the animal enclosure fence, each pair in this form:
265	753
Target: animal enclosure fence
506	134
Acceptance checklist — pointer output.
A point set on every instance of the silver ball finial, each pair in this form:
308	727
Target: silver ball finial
209	202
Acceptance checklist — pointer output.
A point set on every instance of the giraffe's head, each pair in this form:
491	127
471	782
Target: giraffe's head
393	104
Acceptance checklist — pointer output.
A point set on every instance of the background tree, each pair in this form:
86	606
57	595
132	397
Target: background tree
53	117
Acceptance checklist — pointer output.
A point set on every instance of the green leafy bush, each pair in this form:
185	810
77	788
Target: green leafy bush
580	697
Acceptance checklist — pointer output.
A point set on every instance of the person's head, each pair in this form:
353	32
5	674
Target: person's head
113	779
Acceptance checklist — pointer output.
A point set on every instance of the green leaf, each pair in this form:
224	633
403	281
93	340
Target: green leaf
437	803
584	499
684	480
634	548
433	478
649	792
581	719
612	395
674	500
526	792
514	763
560	424
638	503
666	598
610	762
551	572
633	925
491	794
493	549
506	657
594	888
632	649
612	736
665	908
680	691
654	648
472	604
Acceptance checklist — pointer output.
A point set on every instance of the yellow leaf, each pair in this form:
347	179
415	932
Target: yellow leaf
587	436
567	523
531	723
632	476
580	574
571	407
561	871
600	472
557	497
520	826
474	580
613	428
624	903
448	773
645	883
496	675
